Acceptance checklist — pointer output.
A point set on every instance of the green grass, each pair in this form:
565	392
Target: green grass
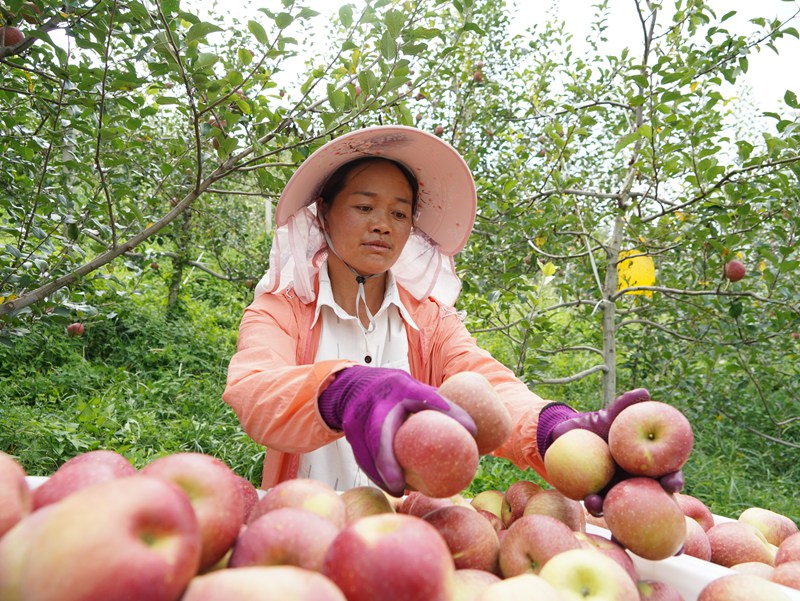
146	385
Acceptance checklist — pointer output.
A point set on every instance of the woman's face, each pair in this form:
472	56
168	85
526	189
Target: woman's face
369	221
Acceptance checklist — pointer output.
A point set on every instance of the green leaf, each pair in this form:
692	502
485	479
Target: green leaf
346	16
258	31
245	56
790	98
283	20
394	22
388	46
474	28
198	31
205	59
626	140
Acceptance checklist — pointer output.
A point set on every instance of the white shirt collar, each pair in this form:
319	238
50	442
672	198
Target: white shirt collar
391	297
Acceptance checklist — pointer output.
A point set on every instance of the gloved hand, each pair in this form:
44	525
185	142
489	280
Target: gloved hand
556	419
370	404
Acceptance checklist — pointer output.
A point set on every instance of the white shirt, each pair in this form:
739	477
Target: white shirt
342	337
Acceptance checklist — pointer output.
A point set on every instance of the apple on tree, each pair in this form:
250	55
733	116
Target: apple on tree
734	270
10	36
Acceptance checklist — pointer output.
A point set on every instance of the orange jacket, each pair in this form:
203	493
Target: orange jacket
273	383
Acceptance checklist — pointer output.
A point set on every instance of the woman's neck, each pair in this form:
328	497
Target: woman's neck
345	289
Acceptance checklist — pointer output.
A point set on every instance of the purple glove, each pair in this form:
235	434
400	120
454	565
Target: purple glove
556	419
370	404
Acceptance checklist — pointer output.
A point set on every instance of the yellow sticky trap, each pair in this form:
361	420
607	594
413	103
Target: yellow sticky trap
638	270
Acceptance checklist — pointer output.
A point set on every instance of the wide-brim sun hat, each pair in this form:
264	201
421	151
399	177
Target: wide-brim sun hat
447	199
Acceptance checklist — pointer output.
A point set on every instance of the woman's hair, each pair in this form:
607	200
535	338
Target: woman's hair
338	179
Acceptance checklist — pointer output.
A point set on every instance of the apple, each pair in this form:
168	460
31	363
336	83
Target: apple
734	270
644	518
757	568
30	12
736	542
609	548
525	587
787	574
515	498
495	522
418	504
439	129
361	501
75	329
650	438
472	540
490	500
579	463
531	541
285	536
788	550
15	496
390	556
774	526
85	469
581	574
553	503
594	520
10	36
696	543
741	587
657	590
275	583
695	509
215	494
303	493
475	394
249	496
468	583
129	539
438	455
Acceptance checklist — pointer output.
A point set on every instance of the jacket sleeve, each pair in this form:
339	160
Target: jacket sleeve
459	351
273	395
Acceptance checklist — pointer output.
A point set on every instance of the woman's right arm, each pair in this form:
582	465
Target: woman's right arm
275	397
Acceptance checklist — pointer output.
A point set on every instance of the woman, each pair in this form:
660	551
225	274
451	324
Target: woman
353	327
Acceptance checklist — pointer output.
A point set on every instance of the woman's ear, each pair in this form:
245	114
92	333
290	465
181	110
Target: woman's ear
319	205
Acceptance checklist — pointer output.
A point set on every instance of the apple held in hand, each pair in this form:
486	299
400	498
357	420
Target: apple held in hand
129	539
276	583
579	463
644	518
474	394
582	574
439	457
215	494
92	467
390	556
15	497
651	439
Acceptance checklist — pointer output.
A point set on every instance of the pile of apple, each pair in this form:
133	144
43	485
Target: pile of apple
185	527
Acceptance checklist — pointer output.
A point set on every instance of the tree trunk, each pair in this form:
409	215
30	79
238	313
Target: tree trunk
180	261
610	313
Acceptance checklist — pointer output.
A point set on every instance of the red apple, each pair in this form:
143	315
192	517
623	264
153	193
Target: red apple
586	574
695	509
610	549
757	568
15	496
129	539
303	493
551	502
787	574
472	540
789	550
391	556
439	129
774	526
474	393
644	518
275	583
285	536
531	541
579	463
697	543
361	501
86	469
495	522
75	329
741	587
215	494
30	12
737	542
650	439
525	587
515	498
10	36
439	457
468	583
734	270
657	590
249	496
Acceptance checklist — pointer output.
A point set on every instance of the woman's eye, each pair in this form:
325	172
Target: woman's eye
399	215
